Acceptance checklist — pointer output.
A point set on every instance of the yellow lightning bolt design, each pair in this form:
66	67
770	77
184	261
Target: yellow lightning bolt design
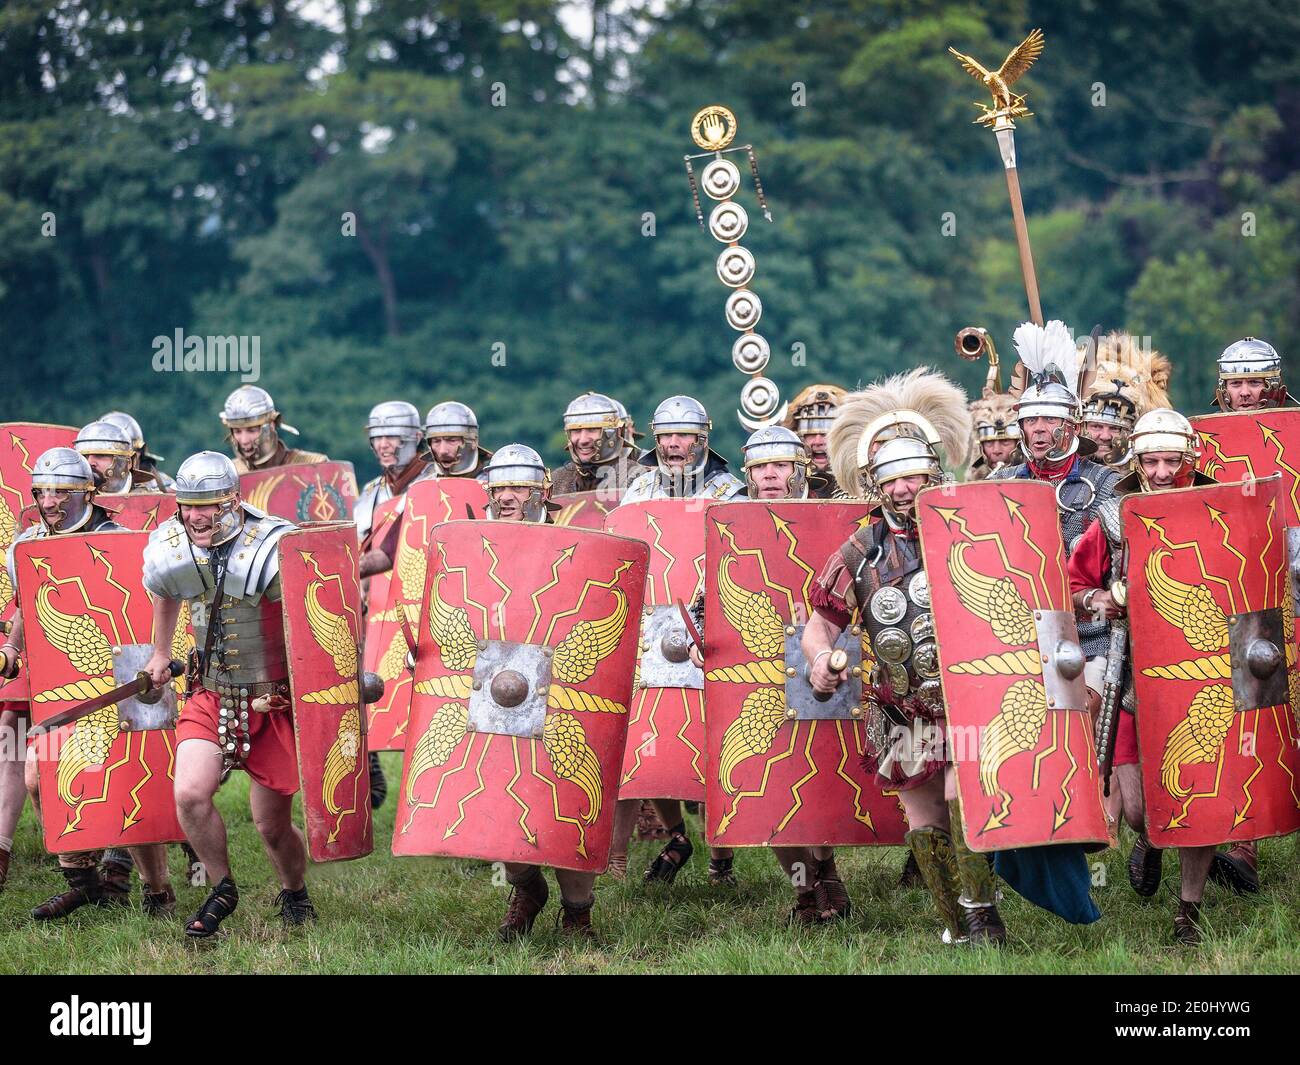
524	809
1277	724
798	784
1212	442
681	735
730	815
490	550
953	516
1017	514
130	818
757	554
555	803
1217	518
784	528
648	741
1154	523
564	556
464	588
1059	817
859	814
657	545
1238	818
1045	753
1178	819
42	565
101	557
587	586
83	802
464	799
20	444
1271	436
417	806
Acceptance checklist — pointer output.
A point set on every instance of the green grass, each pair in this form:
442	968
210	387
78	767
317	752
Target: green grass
389	915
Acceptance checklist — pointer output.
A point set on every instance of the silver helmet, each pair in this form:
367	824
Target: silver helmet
518	466
1247	359
103	438
455	420
396	418
63	469
776	443
1159	431
903	456
593	410
207	478
683	414
135	432
625	421
249	406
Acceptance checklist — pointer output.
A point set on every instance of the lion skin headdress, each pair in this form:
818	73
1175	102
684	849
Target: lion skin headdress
1139	374
921	402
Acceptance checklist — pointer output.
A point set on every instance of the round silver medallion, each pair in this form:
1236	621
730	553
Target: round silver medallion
720	179
925	660
893	645
898	680
922	627
888	606
930	692
918	589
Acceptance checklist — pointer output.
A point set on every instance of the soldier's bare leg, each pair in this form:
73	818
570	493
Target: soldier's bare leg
800	869
198	775
1194	866
281	838
159	899
625	811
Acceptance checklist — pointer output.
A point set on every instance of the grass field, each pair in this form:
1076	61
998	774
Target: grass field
389	915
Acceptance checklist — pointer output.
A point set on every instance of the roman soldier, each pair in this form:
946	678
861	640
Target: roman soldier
64	489
451	433
810	415
1164	450
1250	377
253	428
221	556
905	734
1121	389
681	463
145	474
600	456
518	487
1048	414
997	438
108	450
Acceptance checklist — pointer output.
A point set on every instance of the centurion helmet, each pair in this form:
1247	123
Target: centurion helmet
518	466
63	469
1052	359
106	439
1164	431
596	411
682	414
399	419
249	406
455	420
1248	359
776	443
207	478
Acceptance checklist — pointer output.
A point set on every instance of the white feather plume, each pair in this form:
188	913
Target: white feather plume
1049	353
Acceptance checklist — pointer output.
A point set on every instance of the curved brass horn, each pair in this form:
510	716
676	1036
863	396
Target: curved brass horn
974	342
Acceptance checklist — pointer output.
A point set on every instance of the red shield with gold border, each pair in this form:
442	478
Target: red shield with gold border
1010	665
1213	662
140	511
322	630
426	504
584	510
21	444
784	768
522	682
386	651
302	492
665	731
1254	443
88	622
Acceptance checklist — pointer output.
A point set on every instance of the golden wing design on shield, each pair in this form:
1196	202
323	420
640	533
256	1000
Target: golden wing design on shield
573	759
446	729
85	646
590	641
1198	738
449	627
752	732
341	761
92	738
412	567
333	635
260	496
1014	729
1190	607
751	614
992	599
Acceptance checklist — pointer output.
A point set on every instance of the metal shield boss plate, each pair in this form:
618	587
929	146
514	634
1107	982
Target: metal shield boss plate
321	599
784	768
665	731
1255	443
523	624
21	444
311	491
1214	662
140	511
1010	665
105	780
387	652
425	504
584	510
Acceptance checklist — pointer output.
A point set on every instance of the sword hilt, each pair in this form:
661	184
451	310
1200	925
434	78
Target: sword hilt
148	693
837	663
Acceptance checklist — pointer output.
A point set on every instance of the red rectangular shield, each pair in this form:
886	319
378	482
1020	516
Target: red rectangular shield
777	778
303	492
522	682
1249	444
1213	662
386	653
84	603
140	511
584	510
1018	729
21	444
664	758
425	504
321	588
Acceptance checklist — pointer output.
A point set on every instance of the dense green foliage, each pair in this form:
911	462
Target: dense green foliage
197	161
